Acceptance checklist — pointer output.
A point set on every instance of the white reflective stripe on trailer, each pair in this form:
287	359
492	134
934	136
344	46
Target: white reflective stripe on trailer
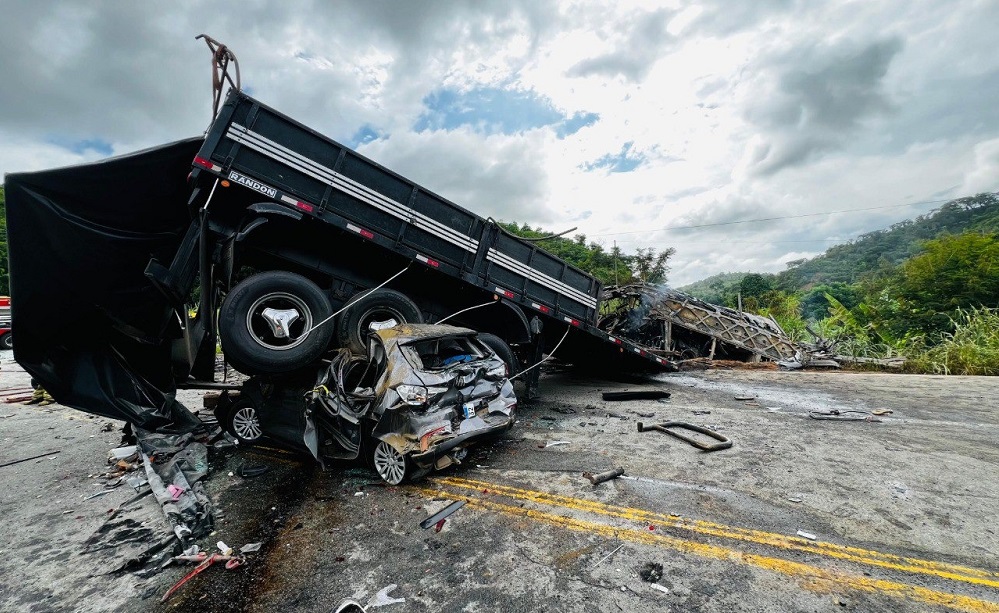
350	187
539	277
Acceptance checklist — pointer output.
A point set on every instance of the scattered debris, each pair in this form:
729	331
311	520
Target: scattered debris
696	412
555	443
441	515
563	410
136	482
882	412
843	415
97	494
807	535
248	471
34	457
665	427
604	476
181	463
794	499
646	414
661	588
603	559
616	415
382	598
231	562
636	395
651	572
745	397
250	547
123	453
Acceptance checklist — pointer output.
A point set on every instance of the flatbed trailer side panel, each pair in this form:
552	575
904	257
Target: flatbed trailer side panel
289	163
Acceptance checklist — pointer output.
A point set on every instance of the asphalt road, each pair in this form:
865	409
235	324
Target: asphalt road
902	510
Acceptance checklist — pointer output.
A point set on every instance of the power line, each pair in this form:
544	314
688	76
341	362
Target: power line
742	221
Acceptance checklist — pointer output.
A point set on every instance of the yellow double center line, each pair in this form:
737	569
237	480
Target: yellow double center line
816	578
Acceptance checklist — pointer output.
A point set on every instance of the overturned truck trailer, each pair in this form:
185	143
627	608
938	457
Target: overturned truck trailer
681	326
286	245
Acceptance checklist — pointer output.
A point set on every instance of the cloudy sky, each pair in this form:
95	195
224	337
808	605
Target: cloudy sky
632	120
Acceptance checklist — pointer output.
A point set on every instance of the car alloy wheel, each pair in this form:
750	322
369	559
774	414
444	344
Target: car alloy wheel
389	463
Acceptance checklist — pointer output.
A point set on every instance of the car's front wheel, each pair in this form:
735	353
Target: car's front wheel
391	466
7	341
243	422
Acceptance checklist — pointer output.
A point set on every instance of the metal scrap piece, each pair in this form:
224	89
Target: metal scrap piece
604	476
636	395
442	514
723	441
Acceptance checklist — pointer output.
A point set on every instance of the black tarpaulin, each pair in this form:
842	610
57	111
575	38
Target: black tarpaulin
91	328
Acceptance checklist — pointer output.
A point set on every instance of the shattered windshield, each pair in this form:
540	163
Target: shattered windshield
440	353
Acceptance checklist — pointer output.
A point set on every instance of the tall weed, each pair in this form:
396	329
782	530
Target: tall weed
971	349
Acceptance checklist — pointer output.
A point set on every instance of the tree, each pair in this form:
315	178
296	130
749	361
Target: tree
815	306
952	273
755	285
651	267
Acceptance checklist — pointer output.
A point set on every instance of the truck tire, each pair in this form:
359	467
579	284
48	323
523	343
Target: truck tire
380	305
266	323
502	350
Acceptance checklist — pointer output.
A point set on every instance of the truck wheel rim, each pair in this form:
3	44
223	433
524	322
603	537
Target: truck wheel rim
245	424
260	330
377	314
390	464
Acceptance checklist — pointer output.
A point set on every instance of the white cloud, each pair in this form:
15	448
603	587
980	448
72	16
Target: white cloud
736	111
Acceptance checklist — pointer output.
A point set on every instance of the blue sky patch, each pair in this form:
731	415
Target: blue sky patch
574	124
624	161
492	110
364	135
83	145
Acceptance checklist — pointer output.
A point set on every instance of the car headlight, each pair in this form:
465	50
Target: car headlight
417	395
498	372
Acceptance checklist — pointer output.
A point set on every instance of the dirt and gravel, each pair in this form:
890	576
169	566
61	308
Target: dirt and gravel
901	507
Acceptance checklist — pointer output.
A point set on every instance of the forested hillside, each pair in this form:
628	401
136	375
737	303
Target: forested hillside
848	262
926	288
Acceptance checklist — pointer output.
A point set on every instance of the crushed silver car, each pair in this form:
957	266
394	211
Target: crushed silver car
415	403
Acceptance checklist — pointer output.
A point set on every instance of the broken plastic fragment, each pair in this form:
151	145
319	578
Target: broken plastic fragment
175	492
250	547
556	443
136	482
382	598
807	535
661	588
120	453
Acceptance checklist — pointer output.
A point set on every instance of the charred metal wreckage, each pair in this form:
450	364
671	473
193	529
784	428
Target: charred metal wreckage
680	327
